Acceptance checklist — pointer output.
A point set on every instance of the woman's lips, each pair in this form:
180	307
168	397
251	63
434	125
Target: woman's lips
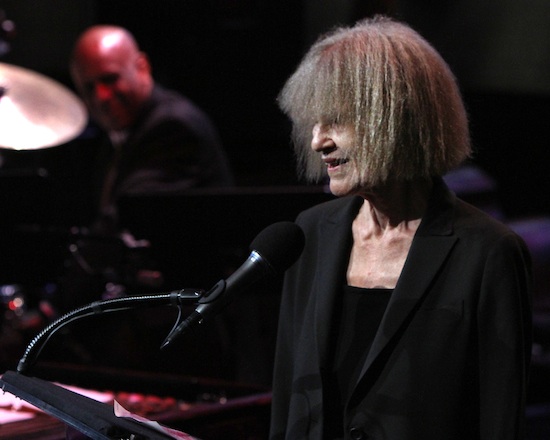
333	163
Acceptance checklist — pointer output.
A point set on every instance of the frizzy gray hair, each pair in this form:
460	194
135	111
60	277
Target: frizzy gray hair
393	87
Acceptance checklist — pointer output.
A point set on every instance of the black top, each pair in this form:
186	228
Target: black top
357	321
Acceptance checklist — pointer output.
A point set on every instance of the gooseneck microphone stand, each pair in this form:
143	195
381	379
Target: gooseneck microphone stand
175	298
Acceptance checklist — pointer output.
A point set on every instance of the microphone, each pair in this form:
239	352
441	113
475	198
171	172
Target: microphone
273	251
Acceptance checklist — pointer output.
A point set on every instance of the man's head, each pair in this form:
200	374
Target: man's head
112	75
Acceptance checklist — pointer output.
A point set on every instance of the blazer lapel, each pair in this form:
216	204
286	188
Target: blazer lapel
428	253
335	232
431	245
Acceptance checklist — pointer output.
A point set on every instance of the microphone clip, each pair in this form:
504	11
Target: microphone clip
214	294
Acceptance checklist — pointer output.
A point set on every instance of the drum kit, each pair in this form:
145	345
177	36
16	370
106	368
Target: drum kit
36	112
44	260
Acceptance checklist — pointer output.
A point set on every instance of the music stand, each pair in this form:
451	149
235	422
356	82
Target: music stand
94	419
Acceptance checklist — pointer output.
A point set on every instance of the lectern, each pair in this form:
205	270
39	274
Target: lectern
94	419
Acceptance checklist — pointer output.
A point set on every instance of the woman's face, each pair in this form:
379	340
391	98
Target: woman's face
335	143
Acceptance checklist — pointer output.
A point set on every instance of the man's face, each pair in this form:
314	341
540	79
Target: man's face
112	83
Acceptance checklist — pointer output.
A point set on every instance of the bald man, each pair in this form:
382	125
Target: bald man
151	141
112	75
158	139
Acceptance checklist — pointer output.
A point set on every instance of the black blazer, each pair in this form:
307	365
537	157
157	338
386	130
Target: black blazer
450	358
172	146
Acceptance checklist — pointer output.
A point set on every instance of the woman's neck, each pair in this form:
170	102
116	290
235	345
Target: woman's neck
396	205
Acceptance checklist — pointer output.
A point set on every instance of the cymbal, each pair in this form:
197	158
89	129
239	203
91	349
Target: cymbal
36	111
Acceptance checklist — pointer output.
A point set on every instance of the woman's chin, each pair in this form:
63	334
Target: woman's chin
339	187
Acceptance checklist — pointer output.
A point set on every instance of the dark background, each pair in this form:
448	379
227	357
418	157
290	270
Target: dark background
233	56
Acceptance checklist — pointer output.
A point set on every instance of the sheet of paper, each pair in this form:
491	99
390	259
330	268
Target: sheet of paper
120	411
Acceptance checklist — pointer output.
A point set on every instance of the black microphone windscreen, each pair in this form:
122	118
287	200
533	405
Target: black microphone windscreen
280	244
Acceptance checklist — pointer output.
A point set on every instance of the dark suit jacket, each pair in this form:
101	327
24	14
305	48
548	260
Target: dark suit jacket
450	358
173	146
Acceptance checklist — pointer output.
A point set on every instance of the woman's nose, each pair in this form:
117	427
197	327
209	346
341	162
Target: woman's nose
320	137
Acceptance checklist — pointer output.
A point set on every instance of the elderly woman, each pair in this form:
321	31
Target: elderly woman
408	314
